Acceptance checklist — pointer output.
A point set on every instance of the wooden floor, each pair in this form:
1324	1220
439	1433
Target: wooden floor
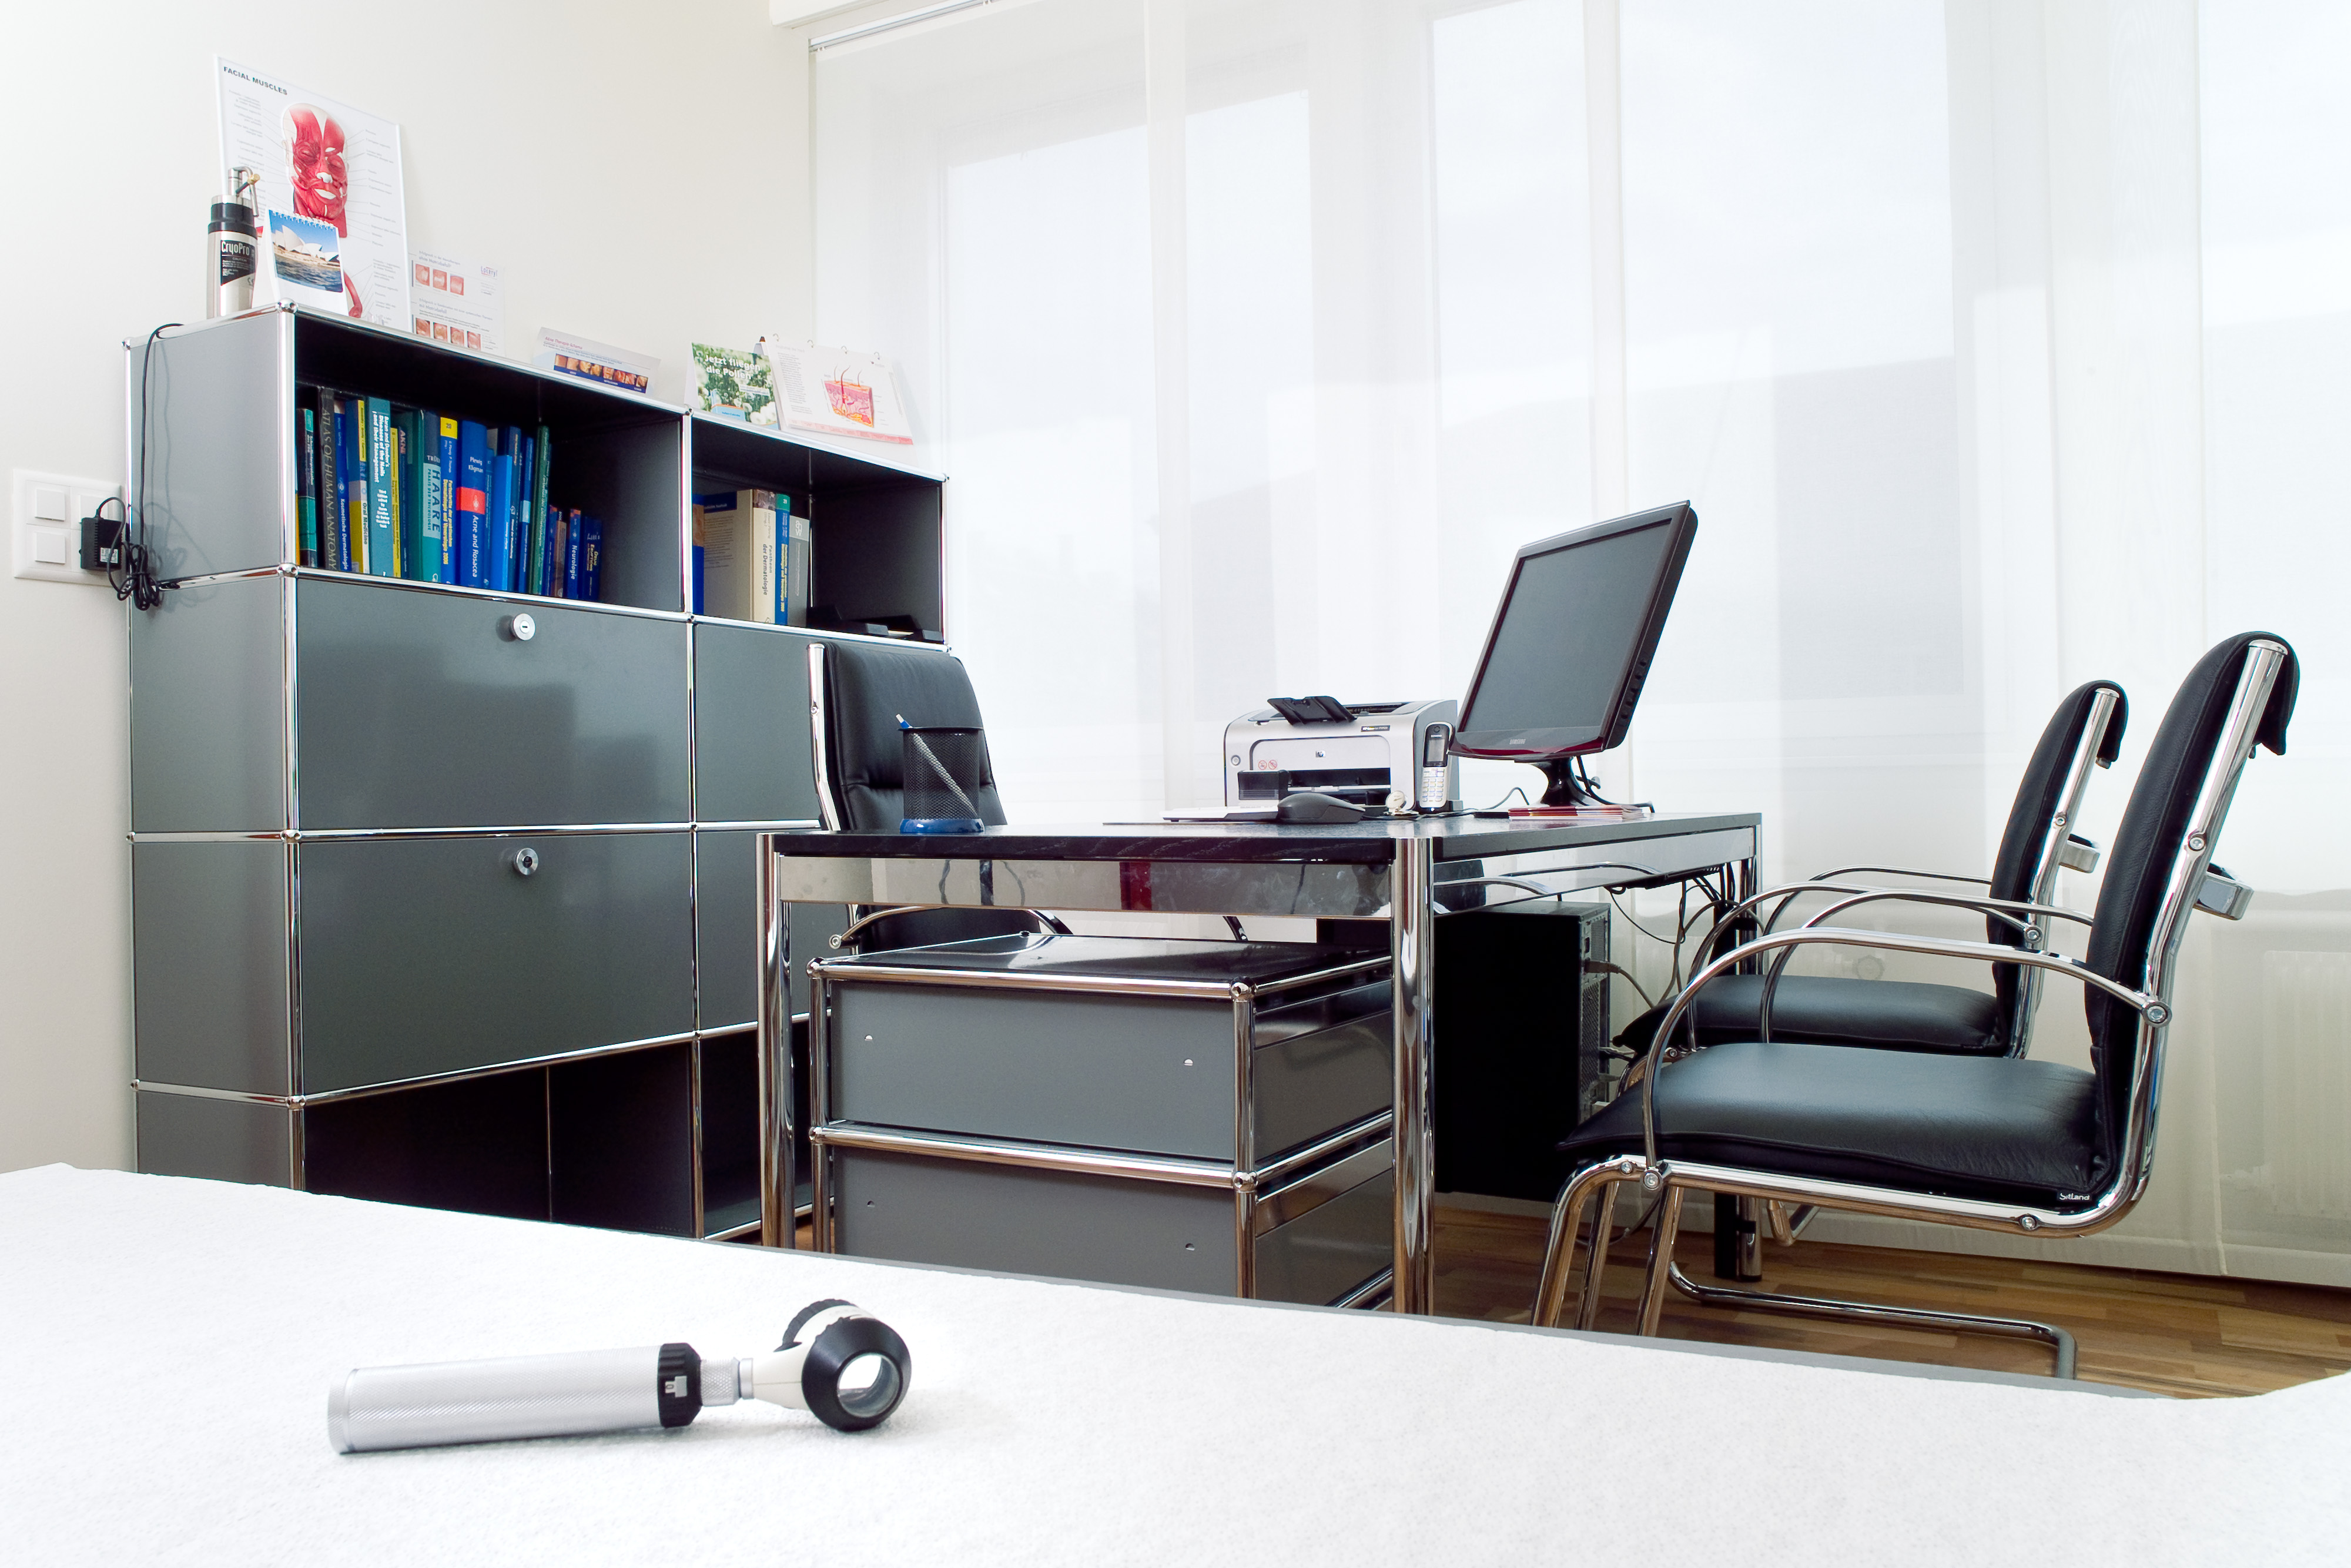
2172	1333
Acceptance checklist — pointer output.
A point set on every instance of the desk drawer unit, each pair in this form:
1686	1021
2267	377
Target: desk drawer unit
1136	1111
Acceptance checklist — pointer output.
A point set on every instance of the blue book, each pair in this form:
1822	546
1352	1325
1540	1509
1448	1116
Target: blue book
698	610
382	521
501	574
444	454
473	505
517	526
591	558
351	475
572	562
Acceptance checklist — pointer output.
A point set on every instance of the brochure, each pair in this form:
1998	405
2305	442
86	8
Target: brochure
734	383
455	302
593	361
334	219
839	392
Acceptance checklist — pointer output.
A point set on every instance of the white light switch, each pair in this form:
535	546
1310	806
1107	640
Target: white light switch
47	543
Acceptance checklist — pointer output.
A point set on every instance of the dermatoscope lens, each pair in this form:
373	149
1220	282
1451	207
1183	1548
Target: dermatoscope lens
868	1386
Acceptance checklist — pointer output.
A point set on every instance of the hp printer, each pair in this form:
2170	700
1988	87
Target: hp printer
1362	752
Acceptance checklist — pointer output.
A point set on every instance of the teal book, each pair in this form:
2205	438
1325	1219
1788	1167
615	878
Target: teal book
432	527
538	475
307	546
382	516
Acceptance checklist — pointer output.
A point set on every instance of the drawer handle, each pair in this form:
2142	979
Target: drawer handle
525	860
519	628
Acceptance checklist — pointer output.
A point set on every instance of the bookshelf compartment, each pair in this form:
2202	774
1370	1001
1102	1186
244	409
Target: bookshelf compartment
730	1130
478	1146
875	528
418	710
422	957
621	1141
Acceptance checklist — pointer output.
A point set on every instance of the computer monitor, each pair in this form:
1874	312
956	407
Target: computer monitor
1571	643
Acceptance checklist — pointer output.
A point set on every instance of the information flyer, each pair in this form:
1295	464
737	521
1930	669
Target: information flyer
334	218
455	302
841	392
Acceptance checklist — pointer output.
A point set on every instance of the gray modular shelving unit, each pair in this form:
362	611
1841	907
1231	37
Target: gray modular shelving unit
345	979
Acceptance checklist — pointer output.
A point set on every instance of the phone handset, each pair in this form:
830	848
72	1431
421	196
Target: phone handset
1435	793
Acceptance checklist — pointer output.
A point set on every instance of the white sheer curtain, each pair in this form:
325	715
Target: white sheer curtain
1999	344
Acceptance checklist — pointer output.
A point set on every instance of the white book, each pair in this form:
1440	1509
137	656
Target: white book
737	532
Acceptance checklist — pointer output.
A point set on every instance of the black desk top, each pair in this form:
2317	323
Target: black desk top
1371	841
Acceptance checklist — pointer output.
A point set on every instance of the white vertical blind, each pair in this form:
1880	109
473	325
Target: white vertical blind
2001	344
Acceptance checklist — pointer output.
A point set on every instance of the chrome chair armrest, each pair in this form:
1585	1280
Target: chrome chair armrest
1900	871
1890	941
846	937
2222	894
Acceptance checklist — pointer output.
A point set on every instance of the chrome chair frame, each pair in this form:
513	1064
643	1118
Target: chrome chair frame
2186	890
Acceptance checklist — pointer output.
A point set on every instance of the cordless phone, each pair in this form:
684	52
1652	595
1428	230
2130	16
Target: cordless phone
1435	796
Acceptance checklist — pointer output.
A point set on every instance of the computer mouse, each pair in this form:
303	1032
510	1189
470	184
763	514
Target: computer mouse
1314	806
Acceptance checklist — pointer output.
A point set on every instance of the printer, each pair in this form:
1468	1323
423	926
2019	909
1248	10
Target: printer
1362	752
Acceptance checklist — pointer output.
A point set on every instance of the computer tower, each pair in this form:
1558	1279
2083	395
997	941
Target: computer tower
1521	1033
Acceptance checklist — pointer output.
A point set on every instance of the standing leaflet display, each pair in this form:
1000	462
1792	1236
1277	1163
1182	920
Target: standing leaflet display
332	211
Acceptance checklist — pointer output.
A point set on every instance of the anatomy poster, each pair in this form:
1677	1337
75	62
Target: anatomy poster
334	221
841	392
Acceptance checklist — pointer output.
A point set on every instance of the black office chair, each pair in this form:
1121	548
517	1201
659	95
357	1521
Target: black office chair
857	692
1996	1142
1905	1014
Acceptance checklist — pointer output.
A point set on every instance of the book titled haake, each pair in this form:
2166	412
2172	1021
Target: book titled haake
742	537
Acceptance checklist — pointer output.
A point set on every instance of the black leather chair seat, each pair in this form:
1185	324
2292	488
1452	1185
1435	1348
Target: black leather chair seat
2006	1129
1890	1015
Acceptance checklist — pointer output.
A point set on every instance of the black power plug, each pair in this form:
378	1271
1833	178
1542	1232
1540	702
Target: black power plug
101	542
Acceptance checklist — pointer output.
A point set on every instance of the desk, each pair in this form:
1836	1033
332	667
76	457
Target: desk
1409	872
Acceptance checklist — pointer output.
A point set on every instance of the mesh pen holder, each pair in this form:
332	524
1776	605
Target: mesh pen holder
943	769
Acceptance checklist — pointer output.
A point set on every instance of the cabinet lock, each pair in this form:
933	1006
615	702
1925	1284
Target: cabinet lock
525	860
519	628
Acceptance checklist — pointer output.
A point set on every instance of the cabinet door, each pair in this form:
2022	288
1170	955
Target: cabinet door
431	955
423	710
752	750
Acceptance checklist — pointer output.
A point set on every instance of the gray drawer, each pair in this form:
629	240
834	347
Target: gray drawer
751	759
965	1215
428	956
414	710
1147	1074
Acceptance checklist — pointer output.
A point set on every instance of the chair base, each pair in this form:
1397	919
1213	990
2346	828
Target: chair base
2050	1335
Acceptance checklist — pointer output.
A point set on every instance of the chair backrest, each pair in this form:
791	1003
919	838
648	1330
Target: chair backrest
857	692
2240	694
2087	729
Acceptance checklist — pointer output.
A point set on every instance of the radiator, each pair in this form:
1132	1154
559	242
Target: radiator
2306	1083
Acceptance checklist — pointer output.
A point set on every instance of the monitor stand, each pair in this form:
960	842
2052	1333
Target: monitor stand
1566	788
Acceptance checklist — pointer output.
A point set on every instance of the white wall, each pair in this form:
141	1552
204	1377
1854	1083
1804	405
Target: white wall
638	171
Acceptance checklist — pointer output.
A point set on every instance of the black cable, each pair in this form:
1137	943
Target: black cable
133	578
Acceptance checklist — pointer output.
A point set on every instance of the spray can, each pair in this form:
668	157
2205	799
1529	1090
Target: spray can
230	252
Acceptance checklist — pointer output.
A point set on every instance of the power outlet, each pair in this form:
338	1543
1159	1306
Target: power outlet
49	510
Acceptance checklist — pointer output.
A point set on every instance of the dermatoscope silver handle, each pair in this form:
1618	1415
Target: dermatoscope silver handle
845	1368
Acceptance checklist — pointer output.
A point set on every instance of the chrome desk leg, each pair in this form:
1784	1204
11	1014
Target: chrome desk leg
778	1182
1412	944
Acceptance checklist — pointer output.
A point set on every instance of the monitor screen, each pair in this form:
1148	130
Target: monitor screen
1571	643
